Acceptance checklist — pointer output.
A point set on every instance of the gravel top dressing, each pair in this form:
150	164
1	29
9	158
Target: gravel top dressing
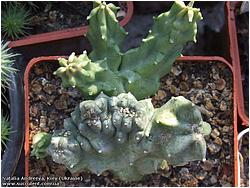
208	85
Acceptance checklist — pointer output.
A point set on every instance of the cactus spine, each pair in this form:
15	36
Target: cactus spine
138	70
129	137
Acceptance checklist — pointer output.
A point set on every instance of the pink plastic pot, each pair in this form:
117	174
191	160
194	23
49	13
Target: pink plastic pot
65	34
235	58
195	59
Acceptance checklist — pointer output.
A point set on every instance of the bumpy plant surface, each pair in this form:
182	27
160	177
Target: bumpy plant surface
138	70
130	138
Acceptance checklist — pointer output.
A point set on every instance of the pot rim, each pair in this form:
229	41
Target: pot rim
196	59
235	58
65	33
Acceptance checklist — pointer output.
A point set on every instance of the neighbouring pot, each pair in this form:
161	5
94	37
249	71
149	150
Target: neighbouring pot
235	58
64	34
243	157
12	153
208	171
70	41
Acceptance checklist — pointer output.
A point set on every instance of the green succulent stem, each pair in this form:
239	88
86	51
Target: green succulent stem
138	70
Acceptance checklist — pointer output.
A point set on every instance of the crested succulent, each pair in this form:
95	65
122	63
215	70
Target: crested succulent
130	138
109	70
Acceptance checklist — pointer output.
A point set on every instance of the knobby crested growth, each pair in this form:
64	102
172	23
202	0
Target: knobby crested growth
130	138
138	70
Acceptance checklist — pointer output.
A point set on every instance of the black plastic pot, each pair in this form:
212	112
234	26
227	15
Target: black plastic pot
14	147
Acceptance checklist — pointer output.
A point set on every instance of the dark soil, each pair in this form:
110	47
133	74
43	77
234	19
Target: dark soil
53	16
207	85
242	22
57	15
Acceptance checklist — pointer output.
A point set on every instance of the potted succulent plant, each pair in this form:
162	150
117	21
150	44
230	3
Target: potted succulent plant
104	117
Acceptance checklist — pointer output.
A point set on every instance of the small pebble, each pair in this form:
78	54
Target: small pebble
161	94
198	84
184	86
226	140
223	106
205	111
61	104
209	105
184	173
184	76
213	148
39	70
226	184
105	173
43	121
220	84
215	133
173	89
36	87
168	81
225	129
87	180
34	111
213	179
212	86
207	165
49	88
201	175
218	141
197	98
176	70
